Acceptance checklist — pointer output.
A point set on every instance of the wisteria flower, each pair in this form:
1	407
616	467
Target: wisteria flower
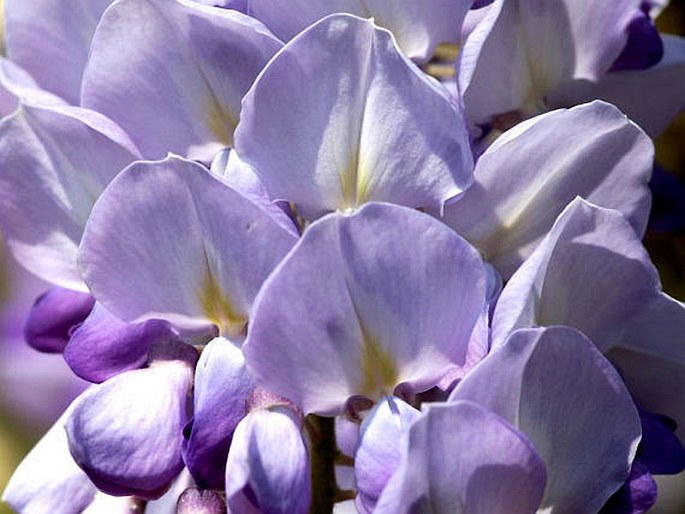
303	272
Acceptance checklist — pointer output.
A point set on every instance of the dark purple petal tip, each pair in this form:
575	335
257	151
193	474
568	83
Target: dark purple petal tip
221	390
53	315
104	346
206	460
636	496
644	47
660	450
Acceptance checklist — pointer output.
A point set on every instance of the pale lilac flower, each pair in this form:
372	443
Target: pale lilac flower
221	394
525	57
139	454
371	128
196	251
528	175
591	272
298	247
267	468
382	436
50	45
547	383
460	457
180	78
57	161
355	311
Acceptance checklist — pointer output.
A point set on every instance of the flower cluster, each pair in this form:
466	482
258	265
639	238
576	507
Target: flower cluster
353	255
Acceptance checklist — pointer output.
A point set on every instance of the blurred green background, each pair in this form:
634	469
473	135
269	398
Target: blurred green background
19	430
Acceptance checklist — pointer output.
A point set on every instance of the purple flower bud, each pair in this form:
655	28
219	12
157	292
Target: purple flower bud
383	437
268	467
222	389
126	434
104	346
53	316
660	450
644	47
636	496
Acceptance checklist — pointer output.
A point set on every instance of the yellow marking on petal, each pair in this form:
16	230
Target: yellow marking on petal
443	64
354	185
378	368
348	186
218	309
363	184
441	71
447	52
220	121
534	101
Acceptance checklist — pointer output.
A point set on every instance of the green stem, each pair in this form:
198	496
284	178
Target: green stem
322	461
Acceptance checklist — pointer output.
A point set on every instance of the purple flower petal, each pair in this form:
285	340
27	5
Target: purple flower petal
548	382
57	160
17	85
222	387
126	434
591	151
53	316
636	496
524	49
168	503
652	98
371	128
181	73
591	255
360	311
346	435
244	179
651	356
104	346
644	47
382	439
237	5
479	345
268	468
50	45
195	251
660	451
462	458
517	52
48	480
113	504
600	33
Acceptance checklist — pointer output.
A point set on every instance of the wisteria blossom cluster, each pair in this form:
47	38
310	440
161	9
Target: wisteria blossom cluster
353	255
